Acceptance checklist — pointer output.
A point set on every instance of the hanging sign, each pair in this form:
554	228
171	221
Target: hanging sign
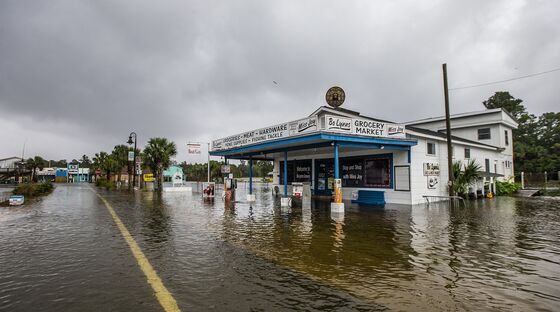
193	148
130	155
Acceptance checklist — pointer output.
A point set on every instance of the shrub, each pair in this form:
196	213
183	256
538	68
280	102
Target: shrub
506	188
103	182
34	189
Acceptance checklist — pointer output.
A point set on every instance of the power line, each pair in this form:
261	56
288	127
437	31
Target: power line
506	80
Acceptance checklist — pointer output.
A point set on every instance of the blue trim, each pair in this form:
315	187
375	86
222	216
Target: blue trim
316	137
336	165
285	173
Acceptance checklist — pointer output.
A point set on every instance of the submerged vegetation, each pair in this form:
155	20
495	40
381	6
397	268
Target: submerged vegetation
31	190
103	182
506	188
465	176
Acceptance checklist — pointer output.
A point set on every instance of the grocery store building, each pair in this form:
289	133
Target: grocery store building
402	162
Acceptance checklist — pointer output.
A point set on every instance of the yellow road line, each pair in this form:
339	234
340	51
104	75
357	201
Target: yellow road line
162	294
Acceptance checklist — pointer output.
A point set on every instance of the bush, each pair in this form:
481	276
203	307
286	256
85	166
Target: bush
34	189
506	188
103	182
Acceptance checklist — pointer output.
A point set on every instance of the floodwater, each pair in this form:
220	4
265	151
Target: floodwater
64	252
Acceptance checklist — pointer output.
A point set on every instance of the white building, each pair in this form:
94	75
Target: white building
402	163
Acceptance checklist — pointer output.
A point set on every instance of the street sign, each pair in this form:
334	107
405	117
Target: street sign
138	168
148	177
130	155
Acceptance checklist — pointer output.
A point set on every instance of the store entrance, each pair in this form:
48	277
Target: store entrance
324	177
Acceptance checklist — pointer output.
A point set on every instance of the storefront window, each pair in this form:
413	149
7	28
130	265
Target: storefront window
298	171
352	172
377	172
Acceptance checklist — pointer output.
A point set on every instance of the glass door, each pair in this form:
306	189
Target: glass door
324	177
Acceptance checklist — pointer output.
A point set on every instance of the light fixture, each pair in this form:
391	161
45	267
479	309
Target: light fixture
382	147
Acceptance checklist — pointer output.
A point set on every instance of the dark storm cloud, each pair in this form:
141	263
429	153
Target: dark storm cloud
92	71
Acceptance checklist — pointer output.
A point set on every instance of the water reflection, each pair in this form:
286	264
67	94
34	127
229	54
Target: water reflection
489	254
500	254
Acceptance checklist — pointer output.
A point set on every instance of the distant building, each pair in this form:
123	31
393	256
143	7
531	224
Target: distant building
10	162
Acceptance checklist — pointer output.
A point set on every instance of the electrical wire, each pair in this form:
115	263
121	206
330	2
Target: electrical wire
506	80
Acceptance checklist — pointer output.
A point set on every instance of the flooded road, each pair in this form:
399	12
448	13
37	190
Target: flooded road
65	252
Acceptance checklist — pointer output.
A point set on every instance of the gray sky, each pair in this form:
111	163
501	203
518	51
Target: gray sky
77	76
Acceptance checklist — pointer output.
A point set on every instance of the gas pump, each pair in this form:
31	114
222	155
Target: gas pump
230	184
338	205
301	194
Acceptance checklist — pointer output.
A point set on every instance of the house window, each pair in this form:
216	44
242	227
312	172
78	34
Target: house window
431	148
507	137
484	134
467	153
487	164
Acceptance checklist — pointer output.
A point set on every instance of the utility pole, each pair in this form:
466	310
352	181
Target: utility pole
448	132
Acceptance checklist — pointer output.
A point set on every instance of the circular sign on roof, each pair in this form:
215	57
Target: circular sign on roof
335	96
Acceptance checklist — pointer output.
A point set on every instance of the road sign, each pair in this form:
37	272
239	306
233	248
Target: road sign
148	177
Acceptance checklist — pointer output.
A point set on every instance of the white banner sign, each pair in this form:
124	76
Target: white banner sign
130	155
193	148
276	132
362	126
330	123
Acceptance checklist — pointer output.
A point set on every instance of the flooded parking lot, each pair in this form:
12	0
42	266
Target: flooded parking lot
65	252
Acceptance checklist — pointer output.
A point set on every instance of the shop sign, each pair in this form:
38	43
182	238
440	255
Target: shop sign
431	169
73	169
148	177
330	123
432	182
364	127
338	124
276	132
193	148
226	169
303	126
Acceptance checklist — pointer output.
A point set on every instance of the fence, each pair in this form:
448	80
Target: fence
538	179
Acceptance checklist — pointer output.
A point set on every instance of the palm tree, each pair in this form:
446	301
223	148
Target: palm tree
157	156
85	162
120	154
465	177
33	164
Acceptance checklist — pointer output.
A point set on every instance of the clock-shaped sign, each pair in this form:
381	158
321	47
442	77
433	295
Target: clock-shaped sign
335	96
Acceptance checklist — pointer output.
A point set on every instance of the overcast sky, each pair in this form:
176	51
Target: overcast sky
77	77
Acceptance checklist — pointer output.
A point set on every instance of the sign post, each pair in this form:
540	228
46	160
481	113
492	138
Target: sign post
194	148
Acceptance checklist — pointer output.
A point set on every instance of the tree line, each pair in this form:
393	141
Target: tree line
156	156
536	142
